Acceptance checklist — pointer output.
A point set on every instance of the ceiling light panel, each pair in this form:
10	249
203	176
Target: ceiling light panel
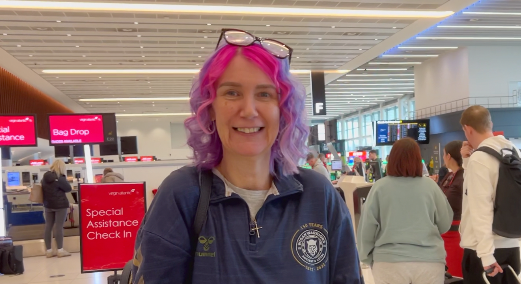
109	40
210	9
409	55
428	47
394	63
465	38
480	27
493	13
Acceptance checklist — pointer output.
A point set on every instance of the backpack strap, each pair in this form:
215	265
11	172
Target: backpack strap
491	152
205	191
205	184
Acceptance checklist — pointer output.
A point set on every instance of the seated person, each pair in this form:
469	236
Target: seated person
109	176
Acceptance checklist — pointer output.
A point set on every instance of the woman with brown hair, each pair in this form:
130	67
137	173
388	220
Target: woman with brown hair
402	221
452	187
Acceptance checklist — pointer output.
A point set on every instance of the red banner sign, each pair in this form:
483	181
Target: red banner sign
76	129
130	159
17	130
79	160
110	216
96	160
361	154
147	158
37	162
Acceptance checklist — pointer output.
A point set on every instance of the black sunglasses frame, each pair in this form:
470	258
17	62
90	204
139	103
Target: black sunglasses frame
255	39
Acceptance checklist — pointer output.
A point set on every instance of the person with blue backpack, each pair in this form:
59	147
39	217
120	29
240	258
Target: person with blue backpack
491	216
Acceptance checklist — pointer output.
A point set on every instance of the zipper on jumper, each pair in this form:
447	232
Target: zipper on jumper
253	235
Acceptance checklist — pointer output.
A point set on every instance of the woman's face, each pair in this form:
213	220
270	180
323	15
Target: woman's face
246	109
446	158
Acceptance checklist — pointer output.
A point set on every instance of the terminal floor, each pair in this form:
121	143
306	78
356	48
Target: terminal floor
67	271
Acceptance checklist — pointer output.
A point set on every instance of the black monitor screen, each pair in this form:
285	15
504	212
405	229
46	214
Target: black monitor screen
62	151
79	150
6	153
129	145
388	132
108	149
26	177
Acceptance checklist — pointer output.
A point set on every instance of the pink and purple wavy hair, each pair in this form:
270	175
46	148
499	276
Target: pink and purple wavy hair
289	146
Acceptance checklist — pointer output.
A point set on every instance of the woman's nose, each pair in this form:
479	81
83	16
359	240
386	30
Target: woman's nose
249	107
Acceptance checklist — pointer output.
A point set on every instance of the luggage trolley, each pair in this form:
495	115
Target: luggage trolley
505	268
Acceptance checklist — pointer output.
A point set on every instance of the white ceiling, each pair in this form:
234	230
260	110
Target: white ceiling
35	40
464	26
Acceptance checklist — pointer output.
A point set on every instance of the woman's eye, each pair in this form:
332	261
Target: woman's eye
264	95
232	93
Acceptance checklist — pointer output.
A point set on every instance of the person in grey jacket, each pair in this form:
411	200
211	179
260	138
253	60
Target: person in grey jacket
317	165
402	221
56	204
109	176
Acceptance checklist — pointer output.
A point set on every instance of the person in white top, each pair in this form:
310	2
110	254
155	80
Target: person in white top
317	165
483	250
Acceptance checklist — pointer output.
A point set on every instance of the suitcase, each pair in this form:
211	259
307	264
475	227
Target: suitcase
12	260
506	269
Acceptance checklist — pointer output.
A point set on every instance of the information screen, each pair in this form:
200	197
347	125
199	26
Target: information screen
17	130
388	132
336	165
76	129
13	179
110	216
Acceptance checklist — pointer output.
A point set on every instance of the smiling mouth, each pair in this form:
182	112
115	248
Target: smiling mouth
248	130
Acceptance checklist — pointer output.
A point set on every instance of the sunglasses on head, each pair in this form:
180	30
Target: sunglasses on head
242	38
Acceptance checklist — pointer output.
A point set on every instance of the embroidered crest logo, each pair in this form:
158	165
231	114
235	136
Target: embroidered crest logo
309	246
312	247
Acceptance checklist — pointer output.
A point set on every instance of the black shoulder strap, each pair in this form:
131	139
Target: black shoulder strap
491	152
205	183
205	191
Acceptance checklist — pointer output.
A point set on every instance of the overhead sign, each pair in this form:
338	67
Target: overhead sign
95	160
76	129
318	92
110	216
37	162
147	158
79	161
72	129
18	131
131	159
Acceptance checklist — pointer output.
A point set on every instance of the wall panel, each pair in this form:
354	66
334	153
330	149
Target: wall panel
16	96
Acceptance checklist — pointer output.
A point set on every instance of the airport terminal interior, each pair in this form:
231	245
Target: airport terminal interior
374	71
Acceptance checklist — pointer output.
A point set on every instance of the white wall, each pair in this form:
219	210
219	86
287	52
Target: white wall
156	137
492	68
443	79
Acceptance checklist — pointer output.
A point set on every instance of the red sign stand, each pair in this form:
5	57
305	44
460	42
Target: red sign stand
110	216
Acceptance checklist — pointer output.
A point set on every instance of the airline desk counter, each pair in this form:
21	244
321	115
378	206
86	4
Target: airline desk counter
349	184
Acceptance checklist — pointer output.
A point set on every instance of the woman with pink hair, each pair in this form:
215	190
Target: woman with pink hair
266	220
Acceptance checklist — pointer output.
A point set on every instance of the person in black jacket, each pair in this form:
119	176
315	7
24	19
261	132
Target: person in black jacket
54	186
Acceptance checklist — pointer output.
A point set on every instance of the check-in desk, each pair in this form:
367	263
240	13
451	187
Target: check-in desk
349	184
